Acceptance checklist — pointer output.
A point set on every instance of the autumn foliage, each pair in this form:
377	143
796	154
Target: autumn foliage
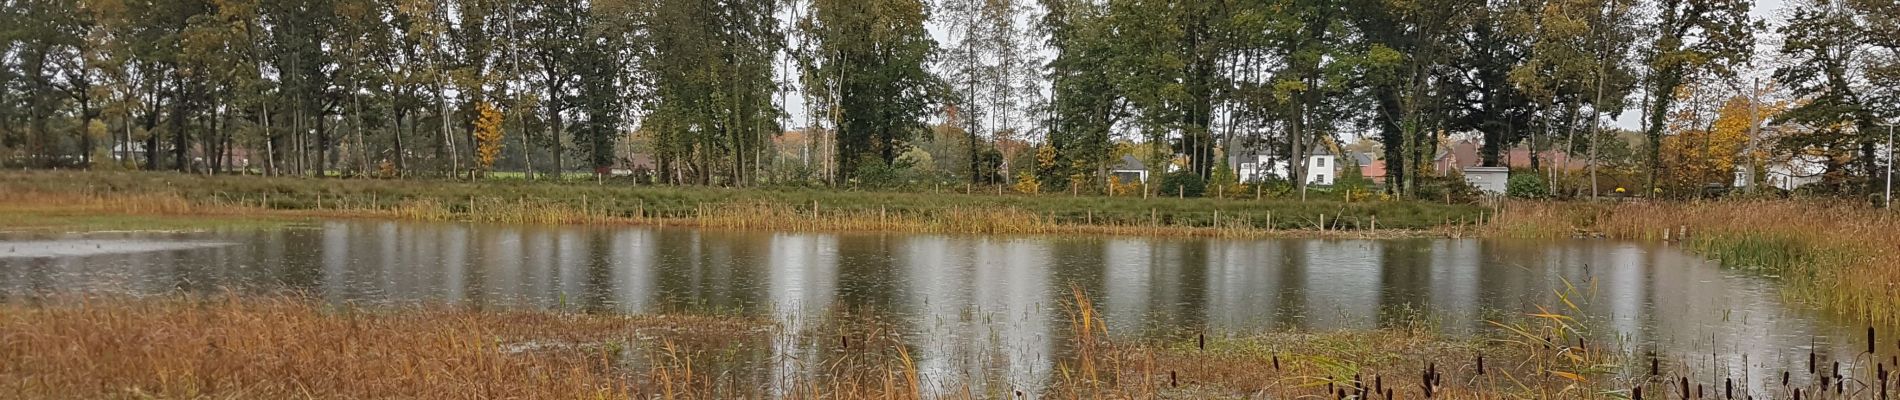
488	143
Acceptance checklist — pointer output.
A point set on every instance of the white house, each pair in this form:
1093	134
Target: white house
1321	167
1130	170
1787	175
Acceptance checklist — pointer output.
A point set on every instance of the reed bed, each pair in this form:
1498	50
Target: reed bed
1839	256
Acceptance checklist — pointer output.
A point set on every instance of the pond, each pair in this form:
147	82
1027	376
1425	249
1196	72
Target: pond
972	304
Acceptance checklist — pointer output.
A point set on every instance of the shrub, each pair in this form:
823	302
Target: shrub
1450	187
1026	183
1526	186
1184	184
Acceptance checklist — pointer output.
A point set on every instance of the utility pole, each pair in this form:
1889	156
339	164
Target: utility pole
1754	132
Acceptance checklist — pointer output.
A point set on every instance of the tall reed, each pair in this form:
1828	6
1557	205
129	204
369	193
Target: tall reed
1838	255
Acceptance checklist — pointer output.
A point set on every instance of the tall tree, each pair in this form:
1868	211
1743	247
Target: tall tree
1694	38
868	74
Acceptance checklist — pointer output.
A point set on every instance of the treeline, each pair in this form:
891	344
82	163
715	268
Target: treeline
1055	91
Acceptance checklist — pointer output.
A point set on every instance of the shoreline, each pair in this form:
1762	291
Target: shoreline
235	198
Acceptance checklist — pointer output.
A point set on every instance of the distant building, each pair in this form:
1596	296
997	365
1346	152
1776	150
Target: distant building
1320	167
1370	167
1787	175
1466	153
1488	179
1130	170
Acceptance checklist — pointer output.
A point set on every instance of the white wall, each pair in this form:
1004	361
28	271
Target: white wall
1320	170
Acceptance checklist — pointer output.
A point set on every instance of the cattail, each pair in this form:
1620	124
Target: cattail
1378	384
1172	382
1784	378
1480	364
1388	394
1636	393
1685	387
1728	388
1655	365
1276	361
844	341
1203	341
1797	393
1580	345
1811	360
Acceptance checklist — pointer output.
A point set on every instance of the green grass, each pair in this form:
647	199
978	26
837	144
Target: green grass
619	199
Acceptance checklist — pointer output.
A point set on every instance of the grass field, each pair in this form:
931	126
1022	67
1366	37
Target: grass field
774	208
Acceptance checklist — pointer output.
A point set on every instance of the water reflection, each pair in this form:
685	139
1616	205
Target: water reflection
977	310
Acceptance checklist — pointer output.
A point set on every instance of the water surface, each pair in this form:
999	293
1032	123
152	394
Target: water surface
971	305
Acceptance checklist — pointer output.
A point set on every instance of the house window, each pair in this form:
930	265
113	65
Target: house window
1322	179
1319	162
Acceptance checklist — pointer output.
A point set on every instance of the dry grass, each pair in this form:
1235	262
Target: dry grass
292	348
1839	256
237	346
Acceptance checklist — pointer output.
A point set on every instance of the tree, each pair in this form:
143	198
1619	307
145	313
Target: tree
711	111
1083	107
868	75
488	136
1827	44
1694	39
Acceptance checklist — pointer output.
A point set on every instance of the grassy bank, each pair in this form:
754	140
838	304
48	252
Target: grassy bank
288	347
777	208
1839	256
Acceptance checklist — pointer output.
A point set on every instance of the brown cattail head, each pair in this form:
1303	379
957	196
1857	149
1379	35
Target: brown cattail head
1480	364
1811	360
1203	341
1636	393
1276	362
1784	378
1728	388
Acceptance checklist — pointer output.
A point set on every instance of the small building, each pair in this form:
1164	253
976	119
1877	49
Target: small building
1488	179
1258	166
1130	170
